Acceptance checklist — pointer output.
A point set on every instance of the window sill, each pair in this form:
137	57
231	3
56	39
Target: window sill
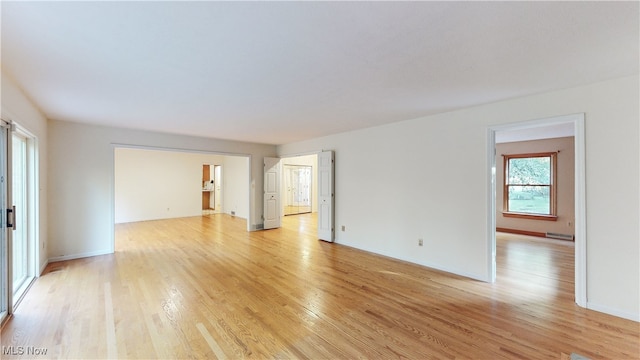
530	216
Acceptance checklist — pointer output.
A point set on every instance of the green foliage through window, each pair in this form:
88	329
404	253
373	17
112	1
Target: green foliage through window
529	183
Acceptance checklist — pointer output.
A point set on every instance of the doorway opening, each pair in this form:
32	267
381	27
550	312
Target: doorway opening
298	188
297	181
576	123
322	166
211	189
162	183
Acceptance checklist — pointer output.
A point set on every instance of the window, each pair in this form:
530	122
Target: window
529	186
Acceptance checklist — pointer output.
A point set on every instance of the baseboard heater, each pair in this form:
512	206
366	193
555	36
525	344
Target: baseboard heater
559	236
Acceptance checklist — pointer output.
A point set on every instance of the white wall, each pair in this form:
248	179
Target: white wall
81	168
156	184
17	107
307	160
426	178
234	186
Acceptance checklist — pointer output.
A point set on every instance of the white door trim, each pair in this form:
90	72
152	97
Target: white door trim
578	121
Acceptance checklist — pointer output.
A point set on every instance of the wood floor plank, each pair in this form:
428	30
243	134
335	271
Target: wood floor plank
204	287
112	348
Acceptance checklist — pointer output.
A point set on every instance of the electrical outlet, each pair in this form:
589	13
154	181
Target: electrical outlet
344	228
419	242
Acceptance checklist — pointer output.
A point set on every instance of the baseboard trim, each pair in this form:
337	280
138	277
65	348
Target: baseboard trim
614	312
521	232
427	264
79	256
43	266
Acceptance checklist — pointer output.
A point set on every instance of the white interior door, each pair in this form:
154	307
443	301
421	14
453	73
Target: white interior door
326	197
217	206
271	193
288	176
212	186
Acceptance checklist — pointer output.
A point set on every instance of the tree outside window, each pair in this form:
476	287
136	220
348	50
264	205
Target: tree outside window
529	186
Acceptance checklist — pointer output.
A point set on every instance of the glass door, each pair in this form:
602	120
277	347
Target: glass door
18	239
21	276
4	233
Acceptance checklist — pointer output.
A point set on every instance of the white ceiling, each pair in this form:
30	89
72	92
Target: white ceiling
279	72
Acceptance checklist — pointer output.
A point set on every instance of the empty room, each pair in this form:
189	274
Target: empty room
322	180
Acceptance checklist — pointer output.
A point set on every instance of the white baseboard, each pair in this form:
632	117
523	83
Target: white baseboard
612	311
43	266
421	263
453	271
79	256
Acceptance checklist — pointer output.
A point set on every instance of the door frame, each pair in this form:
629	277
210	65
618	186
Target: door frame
580	245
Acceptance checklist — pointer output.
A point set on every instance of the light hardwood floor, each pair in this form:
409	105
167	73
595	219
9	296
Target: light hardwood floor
203	287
